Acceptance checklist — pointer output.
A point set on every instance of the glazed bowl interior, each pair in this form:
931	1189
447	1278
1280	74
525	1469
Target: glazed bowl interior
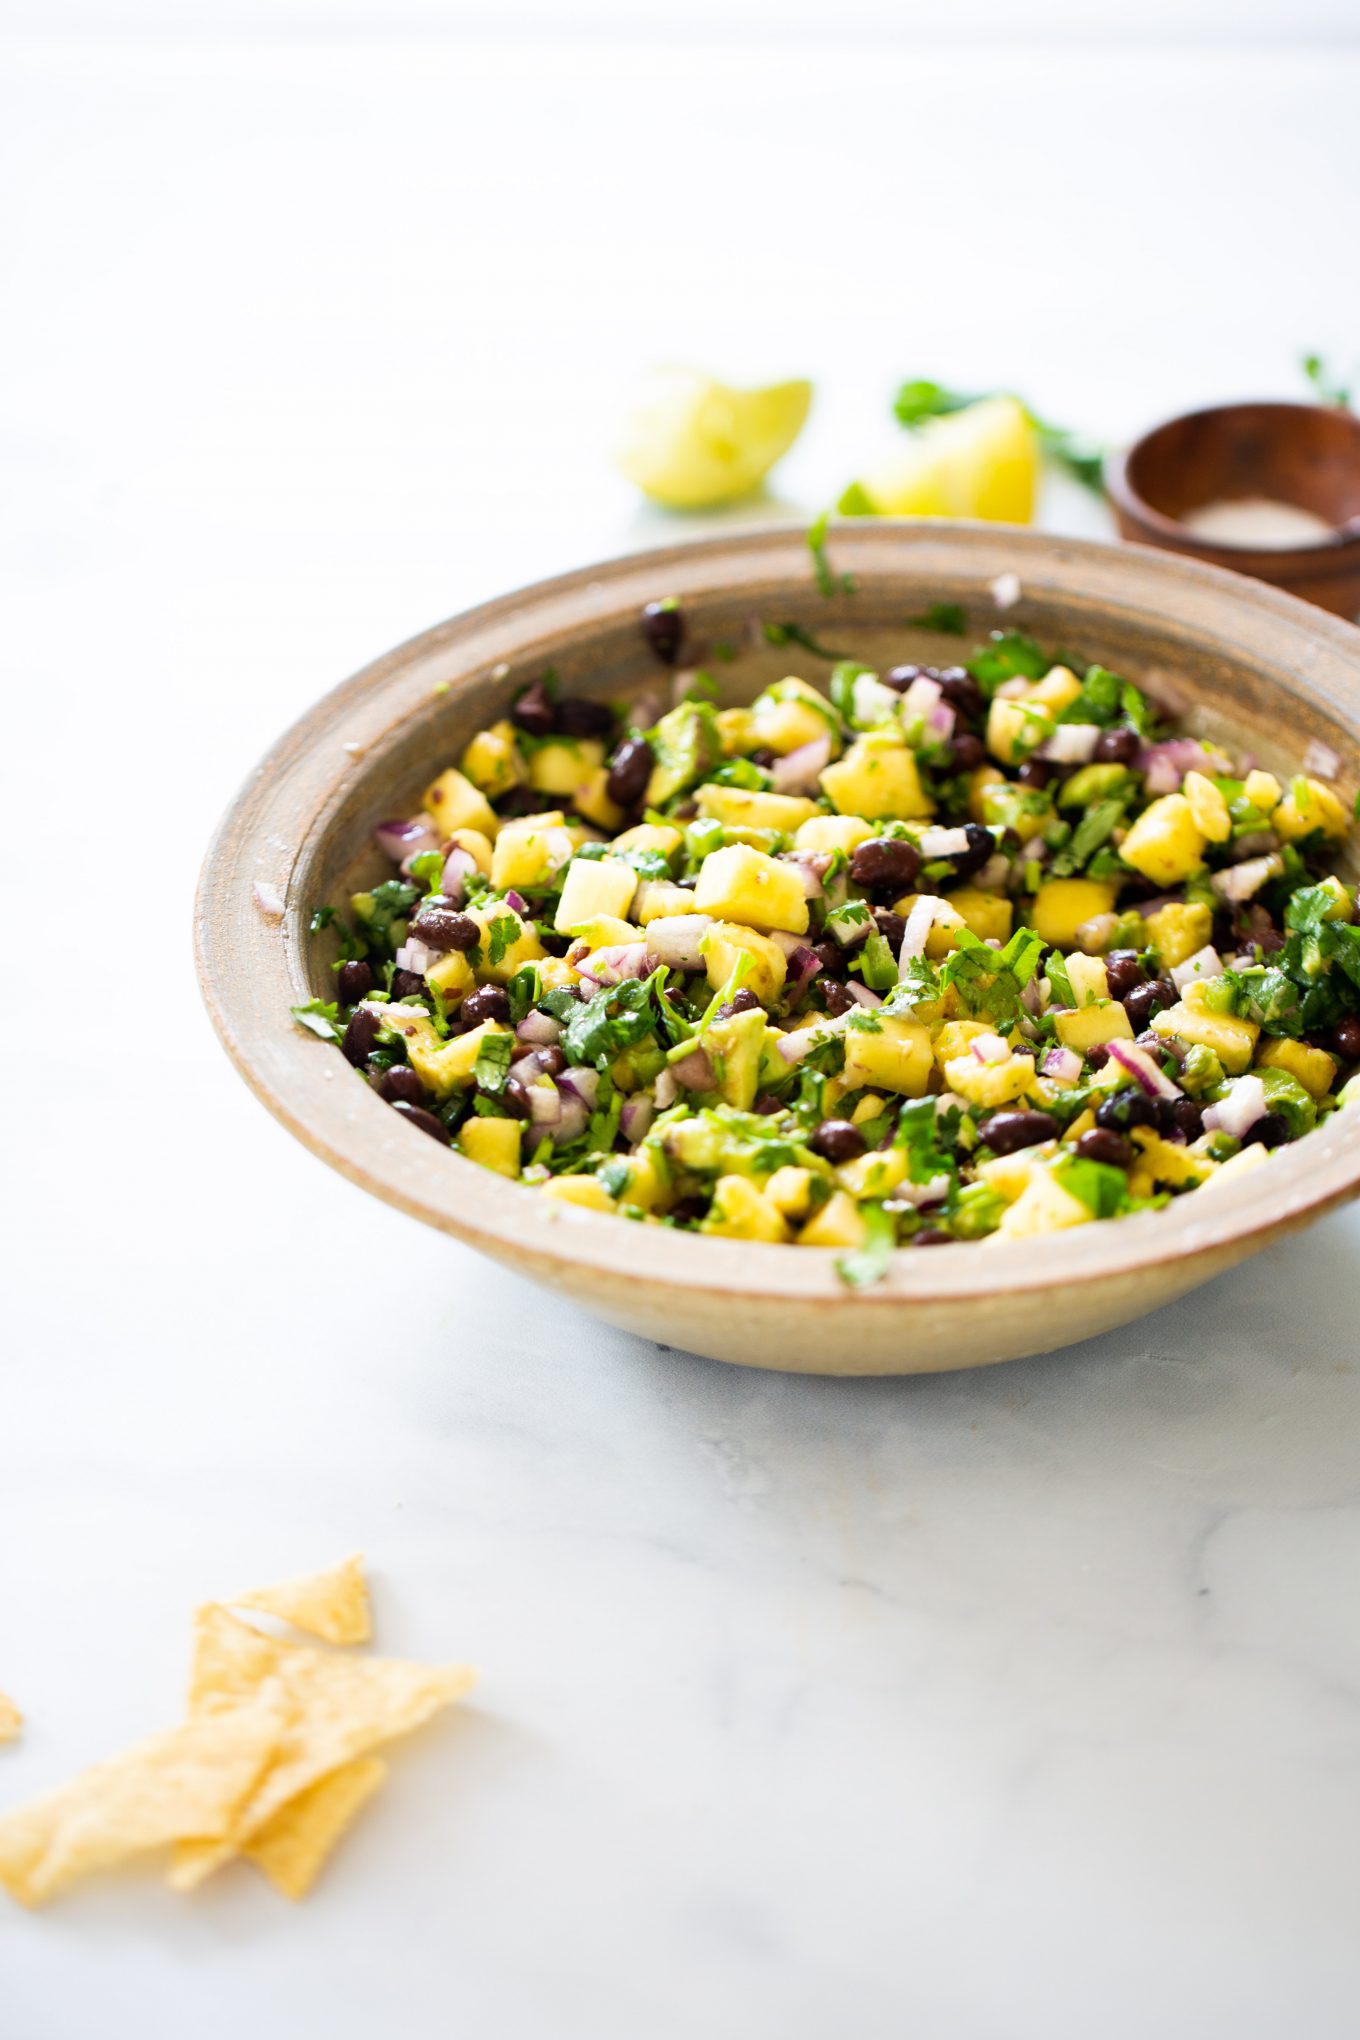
1233	658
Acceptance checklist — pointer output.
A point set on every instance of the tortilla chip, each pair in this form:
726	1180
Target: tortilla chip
332	1604
291	1848
11	1720
342	1707
187	1781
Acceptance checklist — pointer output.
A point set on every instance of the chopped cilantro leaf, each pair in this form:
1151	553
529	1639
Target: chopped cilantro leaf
502	935
870	1260
492	1066
794	634
829	582
320	1017
949	618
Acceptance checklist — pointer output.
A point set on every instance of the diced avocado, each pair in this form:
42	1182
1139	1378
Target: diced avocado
741	1212
1287	1096
686	744
1093	783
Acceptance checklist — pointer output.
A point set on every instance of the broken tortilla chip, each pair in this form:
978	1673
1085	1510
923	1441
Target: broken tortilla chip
291	1848
332	1604
342	1707
185	1782
11	1720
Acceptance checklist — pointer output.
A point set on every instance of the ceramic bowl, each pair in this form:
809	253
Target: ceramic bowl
1238	659
1307	455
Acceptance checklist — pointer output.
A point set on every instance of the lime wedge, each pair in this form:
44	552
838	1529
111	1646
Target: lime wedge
691	442
979	462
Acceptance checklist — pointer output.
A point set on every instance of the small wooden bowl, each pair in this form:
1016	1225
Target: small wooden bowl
1304	454
1237	658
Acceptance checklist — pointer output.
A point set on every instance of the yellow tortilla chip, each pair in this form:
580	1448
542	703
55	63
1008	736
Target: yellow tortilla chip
332	1604
187	1781
291	1848
11	1720
342	1707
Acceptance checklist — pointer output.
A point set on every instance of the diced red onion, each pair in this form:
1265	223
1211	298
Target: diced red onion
539	1029
1032	997
1204	963
666	1090
545	1103
414	955
811	867
804	964
615	962
800	770
1148	1075
400	840
922	1193
783	940
1321	759
1063	1065
994	873
635	1118
268	899
920	921
1012	689
1165	765
676	939
942	842
862	996
989	1049
1006	590
871	701
921	699
1258	843
572	1123
459	867
584	1083
940	722
517	903
1240	881
1236	1114
1072	743
694	1071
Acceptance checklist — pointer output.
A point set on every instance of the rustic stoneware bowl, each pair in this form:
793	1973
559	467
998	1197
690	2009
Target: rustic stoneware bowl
1239	659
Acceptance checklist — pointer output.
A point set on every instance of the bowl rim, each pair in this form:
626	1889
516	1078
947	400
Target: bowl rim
252	966
1328	558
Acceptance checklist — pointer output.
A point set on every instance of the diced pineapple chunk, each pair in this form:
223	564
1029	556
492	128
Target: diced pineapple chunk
869	1107
455	803
1087	977
741	1212
657	901
1090	1026
1044	1206
1308	806
495	1143
741	884
877	779
894	1056
1314	1068
658	836
452	976
1016	723
1177	930
1009	1175
834	832
510	947
789	715
1174	1166
955	1037
837	1224
987	914
649	1184
1208	807
989	1085
586	1191
1240	1164
1263	790
602	885
1232	1040
978	782
736	731
530	853
738	808
605	931
789	1190
592	800
477	846
1062	905
876	1174
561	765
1165	843
725	941
492	760
442	1066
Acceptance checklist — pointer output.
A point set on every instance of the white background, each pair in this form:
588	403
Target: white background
1020	1704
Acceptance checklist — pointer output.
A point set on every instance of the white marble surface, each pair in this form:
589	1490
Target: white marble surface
1022	1704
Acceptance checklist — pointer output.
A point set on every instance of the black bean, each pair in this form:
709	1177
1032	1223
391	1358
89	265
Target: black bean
688	1210
515	1098
361	1036
1103	1144
445	928
892	927
835	998
1005	1132
766	1103
551	1059
886	861
1188	1117
900	678
488	1002
831	957
663	626
521	800
966	752
629	770
407	984
962	692
1098	1055
1036	772
1162	1048
1123	972
1346	1038
416	1115
981	848
534	712
1117	747
1146	999
837	1140
1131	1107
740	1002
582	718
400	1085
763	756
354	981
1270	1131
931	1236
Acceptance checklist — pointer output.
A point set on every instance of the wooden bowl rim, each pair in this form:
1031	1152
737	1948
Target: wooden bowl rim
252	968
1330	558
